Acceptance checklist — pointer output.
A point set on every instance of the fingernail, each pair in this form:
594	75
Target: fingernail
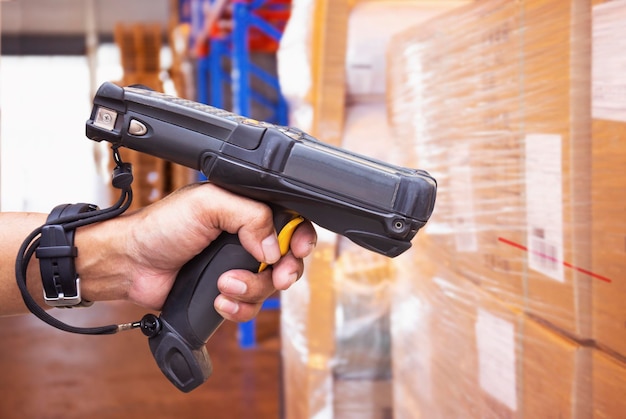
311	247
234	286
226	306
271	251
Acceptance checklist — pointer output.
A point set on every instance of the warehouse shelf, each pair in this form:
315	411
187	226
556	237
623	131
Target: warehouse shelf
226	69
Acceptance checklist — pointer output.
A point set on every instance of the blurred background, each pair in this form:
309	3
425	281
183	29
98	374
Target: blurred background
510	304
54	55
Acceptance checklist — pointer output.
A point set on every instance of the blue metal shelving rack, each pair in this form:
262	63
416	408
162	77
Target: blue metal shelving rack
213	79
235	48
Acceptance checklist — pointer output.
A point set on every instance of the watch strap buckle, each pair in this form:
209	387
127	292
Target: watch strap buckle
56	254
61	300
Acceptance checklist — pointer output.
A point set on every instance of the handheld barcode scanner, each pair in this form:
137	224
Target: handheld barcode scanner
377	205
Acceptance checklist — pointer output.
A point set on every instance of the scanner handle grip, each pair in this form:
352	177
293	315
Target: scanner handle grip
188	318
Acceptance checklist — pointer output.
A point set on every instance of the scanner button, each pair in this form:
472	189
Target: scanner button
247	136
137	128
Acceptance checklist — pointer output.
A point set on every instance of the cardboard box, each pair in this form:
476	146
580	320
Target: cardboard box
557	129
363	399
366	62
608	181
329	53
609	386
336	344
454	100
307	328
556	374
311	67
335	329
336	338
139	46
458	351
495	97
433	356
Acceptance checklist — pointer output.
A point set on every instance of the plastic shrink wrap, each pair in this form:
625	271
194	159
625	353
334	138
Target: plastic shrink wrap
310	66
335	322
336	343
510	304
332	50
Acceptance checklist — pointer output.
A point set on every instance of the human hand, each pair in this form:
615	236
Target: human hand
155	242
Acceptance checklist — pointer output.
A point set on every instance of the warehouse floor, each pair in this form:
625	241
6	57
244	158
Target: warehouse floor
51	374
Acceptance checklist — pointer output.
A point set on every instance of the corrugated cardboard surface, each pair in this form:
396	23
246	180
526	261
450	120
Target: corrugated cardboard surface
492	99
460	352
609	158
495	100
609	386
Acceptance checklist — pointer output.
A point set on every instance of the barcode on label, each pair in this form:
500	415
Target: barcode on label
544	256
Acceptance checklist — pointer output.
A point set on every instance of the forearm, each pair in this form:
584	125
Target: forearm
14	227
136	257
100	261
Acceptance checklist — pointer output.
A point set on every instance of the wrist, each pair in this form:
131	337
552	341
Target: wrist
56	253
102	261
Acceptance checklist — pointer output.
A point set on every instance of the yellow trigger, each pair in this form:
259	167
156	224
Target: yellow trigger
284	238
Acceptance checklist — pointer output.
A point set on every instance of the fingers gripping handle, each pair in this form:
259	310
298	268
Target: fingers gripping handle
178	337
189	318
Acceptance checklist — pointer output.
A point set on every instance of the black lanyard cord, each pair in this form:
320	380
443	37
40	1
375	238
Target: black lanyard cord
33	241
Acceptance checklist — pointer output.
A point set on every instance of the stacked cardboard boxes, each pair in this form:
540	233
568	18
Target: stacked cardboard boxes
608	213
609	157
459	351
510	303
307	323
609	386
495	99
454	101
557	175
503	130
140	48
140	51
333	74
311	67
140	55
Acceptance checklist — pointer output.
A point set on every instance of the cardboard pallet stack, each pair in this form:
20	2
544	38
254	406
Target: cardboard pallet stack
332	67
311	67
459	351
140	47
510	304
608	221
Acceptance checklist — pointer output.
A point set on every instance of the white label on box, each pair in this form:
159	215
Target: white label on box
461	191
495	342
544	205
609	61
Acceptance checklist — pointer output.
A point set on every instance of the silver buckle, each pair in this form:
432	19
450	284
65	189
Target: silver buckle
62	301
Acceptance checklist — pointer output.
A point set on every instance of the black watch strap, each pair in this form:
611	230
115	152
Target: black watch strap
56	253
